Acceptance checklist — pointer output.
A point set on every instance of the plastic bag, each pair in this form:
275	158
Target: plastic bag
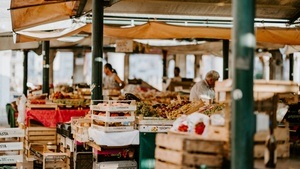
281	111
22	109
199	123
196	123
181	124
217	120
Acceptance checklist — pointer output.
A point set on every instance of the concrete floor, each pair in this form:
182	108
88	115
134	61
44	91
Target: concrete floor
291	163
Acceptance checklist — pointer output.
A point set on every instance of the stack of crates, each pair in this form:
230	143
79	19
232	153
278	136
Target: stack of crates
11	146
83	156
65	142
38	135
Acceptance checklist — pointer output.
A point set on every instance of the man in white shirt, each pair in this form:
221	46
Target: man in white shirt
205	87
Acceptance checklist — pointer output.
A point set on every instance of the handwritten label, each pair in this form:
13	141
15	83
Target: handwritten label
124	45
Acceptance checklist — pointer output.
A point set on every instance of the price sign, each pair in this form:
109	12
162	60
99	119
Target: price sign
124	45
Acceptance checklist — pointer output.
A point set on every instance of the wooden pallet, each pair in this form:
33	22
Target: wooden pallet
188	152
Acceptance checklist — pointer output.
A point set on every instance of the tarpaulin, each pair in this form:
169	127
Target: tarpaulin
161	30
25	14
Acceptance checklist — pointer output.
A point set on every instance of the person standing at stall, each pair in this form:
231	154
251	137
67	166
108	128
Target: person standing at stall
112	80
205	88
177	77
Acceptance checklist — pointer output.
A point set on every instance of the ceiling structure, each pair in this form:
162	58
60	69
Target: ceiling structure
129	13
267	11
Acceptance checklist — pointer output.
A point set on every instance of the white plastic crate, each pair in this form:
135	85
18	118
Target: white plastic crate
11	132
113	105
113	129
11	159
121	116
4	146
12	146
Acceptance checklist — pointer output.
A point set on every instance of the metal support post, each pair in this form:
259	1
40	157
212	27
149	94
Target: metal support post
291	58
225	59
243	119
25	72
97	49
46	66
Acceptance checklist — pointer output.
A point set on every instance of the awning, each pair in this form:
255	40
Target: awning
27	36
160	30
25	14
7	43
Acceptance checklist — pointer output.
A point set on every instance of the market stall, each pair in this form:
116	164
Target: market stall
134	130
49	118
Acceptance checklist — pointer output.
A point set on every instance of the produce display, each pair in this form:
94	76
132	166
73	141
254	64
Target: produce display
62	95
155	97
37	99
69	99
212	108
195	123
169	111
198	121
112	114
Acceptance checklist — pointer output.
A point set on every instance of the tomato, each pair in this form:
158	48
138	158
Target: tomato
183	128
199	128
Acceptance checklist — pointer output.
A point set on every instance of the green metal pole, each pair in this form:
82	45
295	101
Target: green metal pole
25	72
291	75
225	59
46	66
97	49
165	55
243	119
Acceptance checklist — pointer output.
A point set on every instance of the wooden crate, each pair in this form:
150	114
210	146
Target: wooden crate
58	163
29	156
24	165
49	159
29	153
80	129
52	106
262	89
68	150
164	165
282	136
187	151
38	136
43	135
